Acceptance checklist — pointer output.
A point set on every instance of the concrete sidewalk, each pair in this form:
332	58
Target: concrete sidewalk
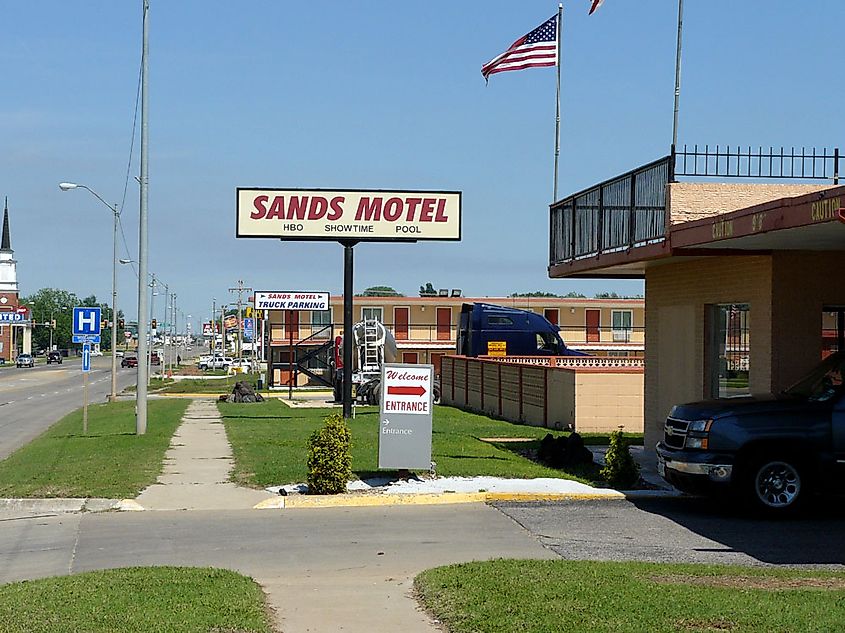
197	466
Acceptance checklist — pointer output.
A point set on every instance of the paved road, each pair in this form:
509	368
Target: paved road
330	569
684	531
352	568
33	399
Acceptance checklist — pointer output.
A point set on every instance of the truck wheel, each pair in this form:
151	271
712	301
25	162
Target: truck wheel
777	485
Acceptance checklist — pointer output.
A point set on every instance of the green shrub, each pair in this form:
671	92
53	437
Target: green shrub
620	469
329	457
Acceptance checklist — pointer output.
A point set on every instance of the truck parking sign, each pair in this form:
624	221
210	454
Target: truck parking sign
405	416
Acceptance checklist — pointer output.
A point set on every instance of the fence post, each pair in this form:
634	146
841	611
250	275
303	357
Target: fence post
466	382
520	393
546	371
482	363
835	165
600	236
500	389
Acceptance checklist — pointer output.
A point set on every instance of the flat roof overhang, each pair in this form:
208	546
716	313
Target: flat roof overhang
812	222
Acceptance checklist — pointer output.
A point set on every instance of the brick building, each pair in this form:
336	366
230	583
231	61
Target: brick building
742	287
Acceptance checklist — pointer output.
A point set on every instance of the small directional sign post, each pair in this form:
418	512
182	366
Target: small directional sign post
86	330
405	416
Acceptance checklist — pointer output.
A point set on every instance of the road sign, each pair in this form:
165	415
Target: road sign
86	338
405	416
86	357
249	328
86	321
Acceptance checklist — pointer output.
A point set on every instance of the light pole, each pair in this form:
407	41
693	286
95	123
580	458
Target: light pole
67	186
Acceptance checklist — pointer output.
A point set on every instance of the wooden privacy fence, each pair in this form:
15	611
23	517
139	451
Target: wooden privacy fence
586	396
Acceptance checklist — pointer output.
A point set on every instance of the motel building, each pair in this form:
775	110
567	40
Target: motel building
743	291
425	329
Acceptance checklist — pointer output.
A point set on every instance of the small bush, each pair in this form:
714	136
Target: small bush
620	470
329	457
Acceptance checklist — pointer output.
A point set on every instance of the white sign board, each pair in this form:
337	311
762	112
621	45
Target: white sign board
315	214
291	300
405	416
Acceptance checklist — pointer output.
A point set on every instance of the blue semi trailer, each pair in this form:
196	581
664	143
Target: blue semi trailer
492	330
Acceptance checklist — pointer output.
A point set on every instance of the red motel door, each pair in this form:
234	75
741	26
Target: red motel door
593	320
444	324
400	323
551	315
292	324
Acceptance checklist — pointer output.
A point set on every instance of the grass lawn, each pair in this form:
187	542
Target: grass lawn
199	385
270	439
110	462
154	599
541	596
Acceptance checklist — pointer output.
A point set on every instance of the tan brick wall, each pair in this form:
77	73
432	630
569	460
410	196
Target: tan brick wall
676	296
804	284
605	401
694	200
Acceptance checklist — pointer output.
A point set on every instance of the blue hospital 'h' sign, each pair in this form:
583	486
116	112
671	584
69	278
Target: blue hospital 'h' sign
86	320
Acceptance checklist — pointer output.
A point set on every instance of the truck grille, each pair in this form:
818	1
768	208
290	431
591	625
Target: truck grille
675	432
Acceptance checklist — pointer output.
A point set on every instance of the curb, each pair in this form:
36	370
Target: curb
59	505
444	498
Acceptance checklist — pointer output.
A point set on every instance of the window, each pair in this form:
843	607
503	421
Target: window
728	356
321	321
499	320
373	313
621	321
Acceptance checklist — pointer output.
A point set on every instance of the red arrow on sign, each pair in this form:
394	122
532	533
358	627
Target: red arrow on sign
406	391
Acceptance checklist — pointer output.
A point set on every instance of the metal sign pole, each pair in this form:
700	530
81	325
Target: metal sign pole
347	326
290	354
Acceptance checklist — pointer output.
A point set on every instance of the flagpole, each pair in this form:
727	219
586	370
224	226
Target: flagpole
678	74
557	104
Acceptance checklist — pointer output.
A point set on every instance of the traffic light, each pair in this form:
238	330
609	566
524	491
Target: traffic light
53	324
104	324
153	324
121	323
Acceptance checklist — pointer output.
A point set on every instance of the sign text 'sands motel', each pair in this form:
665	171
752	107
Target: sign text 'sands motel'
349	214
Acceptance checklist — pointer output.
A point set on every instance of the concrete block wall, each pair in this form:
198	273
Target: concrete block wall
590	400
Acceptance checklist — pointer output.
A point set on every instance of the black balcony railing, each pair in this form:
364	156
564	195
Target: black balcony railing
629	211
618	214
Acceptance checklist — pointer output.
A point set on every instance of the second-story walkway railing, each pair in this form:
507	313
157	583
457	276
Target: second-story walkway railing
630	210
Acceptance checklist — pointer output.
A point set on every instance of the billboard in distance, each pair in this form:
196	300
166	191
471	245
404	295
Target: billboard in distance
363	215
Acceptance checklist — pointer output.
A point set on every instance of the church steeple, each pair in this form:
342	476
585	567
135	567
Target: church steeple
6	242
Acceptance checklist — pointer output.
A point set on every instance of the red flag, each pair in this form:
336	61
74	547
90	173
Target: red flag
596	5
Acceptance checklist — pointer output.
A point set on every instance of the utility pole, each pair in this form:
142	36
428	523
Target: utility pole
240	290
143	371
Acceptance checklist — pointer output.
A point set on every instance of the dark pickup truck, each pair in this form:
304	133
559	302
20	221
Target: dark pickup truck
773	451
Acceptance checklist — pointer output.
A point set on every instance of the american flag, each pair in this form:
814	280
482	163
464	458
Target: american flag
538	48
596	5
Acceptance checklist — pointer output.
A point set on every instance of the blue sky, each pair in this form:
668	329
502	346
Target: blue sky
373	94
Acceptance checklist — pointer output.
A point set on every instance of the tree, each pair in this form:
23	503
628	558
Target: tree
607	295
536	293
380	291
51	304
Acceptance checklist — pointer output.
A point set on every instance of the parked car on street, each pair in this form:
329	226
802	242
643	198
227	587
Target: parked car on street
54	356
25	360
118	353
129	361
220	362
202	361
244	364
155	359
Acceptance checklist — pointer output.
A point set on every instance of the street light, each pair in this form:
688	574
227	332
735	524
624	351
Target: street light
67	186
